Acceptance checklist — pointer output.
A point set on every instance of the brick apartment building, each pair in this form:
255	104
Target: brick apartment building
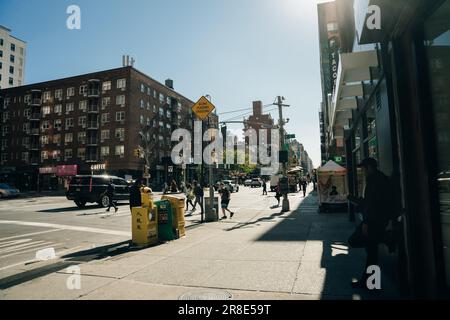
90	123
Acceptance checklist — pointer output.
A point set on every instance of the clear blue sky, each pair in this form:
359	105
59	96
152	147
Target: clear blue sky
235	50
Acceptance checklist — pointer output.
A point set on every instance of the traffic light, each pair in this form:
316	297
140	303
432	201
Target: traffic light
137	153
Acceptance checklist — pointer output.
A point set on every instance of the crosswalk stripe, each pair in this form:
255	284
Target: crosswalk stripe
30	234
13	242
23	246
53	245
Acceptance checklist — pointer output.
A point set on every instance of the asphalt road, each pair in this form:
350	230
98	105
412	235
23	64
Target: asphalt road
28	225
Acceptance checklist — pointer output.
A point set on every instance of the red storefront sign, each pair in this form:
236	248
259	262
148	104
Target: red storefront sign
68	170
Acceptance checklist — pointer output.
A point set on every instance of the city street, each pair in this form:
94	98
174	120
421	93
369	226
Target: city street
259	254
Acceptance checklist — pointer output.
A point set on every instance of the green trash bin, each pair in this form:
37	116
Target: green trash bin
165	220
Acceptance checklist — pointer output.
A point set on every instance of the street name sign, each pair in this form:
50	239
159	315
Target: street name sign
203	108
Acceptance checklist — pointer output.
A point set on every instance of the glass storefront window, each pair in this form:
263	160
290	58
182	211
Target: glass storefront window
437	46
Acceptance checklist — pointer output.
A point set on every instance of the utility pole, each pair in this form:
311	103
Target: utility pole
285	204
211	174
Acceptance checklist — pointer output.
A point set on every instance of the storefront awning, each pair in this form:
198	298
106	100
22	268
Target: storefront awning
354	72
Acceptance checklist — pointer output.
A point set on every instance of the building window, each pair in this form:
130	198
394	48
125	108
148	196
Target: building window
161	112
46	96
120	100
13	47
83	105
12	58
82	137
57	124
121	83
332	27
69	123
120	133
44	155
70	92
68	154
1	54
83	89
45	125
161	98
11	70
105	134
104	151
149	91
26	127
168	114
1	42
82	121
58	108
69	107
105	118
44	140
59	94
68	138
46	110
106	101
25	156
120	151
142	104
81	153
106	86
120	116
142	88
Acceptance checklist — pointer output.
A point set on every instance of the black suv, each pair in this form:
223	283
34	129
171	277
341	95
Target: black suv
92	188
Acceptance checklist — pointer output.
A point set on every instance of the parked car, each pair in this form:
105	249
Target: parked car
248	183
92	188
256	183
6	191
231	185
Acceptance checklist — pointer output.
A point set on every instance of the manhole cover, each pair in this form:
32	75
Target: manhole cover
206	295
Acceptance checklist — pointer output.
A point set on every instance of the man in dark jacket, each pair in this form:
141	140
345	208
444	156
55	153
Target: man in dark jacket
198	193
376	207
110	190
135	194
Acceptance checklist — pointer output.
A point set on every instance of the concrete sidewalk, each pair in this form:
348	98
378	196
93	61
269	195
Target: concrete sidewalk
259	254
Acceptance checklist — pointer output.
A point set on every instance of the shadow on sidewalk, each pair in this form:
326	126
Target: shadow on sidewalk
328	233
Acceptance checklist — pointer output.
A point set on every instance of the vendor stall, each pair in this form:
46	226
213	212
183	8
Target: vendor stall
332	187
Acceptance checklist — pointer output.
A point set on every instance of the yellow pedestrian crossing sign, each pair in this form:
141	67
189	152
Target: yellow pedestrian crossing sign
203	108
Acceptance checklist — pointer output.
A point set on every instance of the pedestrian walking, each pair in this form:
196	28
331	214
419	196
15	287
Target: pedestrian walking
110	190
189	197
173	187
264	187
225	201
165	188
198	193
135	194
377	208
278	193
304	185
